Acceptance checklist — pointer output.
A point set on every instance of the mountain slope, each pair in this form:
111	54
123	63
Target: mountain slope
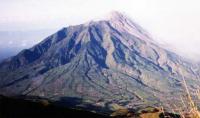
103	62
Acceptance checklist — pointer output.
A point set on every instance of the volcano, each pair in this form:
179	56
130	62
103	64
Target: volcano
104	62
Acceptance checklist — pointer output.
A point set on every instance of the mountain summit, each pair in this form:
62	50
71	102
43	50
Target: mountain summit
125	24
107	61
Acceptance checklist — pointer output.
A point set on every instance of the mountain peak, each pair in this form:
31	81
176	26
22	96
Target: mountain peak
116	15
124	23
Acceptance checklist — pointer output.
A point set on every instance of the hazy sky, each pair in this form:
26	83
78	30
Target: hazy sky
176	22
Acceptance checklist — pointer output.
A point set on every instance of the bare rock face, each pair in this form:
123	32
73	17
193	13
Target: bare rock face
111	61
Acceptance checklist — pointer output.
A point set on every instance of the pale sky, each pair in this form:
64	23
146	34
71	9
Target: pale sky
175	22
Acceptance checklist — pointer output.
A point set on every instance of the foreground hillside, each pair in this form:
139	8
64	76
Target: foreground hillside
20	108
